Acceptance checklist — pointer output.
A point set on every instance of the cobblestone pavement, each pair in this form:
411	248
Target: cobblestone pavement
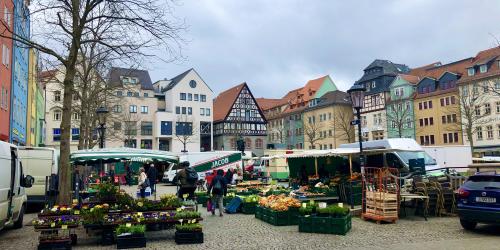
246	232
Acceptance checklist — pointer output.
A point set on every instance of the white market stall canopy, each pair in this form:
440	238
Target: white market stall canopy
119	154
322	153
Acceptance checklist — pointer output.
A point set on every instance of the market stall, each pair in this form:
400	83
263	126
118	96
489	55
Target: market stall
114	215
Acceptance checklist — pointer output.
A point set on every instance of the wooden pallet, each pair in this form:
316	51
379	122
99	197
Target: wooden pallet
378	218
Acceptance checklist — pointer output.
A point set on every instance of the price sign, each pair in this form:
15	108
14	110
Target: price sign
75	201
181	220
53	224
185	196
77	212
128	225
341	204
64	227
139	213
179	209
304	205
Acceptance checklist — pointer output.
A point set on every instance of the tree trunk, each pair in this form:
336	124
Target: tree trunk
64	196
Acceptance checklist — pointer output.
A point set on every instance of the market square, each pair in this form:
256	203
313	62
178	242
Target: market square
219	124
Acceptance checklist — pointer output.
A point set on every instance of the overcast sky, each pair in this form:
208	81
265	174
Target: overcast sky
277	45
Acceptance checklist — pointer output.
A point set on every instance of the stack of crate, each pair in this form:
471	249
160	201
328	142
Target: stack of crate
382	204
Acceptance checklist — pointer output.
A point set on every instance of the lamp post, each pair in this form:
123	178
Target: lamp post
357	94
101	117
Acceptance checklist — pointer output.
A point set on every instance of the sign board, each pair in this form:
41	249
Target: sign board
354	122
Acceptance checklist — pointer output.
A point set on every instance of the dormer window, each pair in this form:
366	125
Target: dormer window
483	68
373	84
471	71
368	87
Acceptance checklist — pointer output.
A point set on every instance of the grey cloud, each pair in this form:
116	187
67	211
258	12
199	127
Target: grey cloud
276	46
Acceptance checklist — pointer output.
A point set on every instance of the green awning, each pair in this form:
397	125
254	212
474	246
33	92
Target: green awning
109	155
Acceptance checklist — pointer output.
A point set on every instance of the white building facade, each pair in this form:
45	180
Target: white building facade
184	118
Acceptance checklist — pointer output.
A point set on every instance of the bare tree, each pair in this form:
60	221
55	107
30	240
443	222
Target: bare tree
398	113
280	131
341	124
470	107
189	130
312	133
126	27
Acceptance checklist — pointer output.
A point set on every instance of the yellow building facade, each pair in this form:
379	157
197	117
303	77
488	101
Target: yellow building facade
31	119
327	122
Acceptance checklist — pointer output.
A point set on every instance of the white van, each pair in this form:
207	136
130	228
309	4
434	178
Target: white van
404	150
204	162
12	183
38	162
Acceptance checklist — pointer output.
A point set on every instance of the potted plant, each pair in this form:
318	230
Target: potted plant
170	202
130	236
188	233
106	192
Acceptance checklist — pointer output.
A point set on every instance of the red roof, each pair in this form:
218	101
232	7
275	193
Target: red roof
306	93
483	57
225	100
458	67
266	103
409	78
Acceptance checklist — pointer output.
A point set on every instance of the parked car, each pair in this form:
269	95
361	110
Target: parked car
479	200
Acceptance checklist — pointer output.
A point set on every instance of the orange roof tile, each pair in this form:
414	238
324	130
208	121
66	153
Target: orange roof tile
306	93
266	103
224	101
409	78
483	57
458	67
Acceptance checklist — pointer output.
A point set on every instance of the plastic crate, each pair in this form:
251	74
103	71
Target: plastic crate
202	200
258	212
130	241
248	208
279	218
325	225
293	216
188	237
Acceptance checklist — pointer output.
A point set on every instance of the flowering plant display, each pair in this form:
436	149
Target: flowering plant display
58	221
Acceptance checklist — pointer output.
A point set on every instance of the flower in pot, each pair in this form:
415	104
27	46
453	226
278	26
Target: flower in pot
193	227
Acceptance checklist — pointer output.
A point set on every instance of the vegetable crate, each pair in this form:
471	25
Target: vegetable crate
188	237
381	194
202	200
130	241
258	212
277	218
248	208
325	225
63	244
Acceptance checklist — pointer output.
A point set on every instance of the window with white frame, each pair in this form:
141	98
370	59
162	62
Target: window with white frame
207	112
57	96
498	107
133	109
76	116
483	68
144	109
183	96
489	132
498	127
479	133
487	109
196	97
202	111
5	55
57	115
117	109
471	71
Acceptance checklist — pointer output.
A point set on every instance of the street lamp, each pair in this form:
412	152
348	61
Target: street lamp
357	94
101	117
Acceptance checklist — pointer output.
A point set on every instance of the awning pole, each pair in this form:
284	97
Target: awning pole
350	164
316	165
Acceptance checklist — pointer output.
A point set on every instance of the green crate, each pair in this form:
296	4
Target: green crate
248	208
279	218
258	212
202	200
326	225
293	216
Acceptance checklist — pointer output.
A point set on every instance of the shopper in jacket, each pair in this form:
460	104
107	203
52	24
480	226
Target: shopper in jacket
186	186
218	189
152	176
142	183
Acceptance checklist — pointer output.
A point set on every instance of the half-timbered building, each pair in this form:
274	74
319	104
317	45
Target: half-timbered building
236	113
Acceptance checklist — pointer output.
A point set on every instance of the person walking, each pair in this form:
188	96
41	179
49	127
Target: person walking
218	189
229	176
186	179
152	176
143	183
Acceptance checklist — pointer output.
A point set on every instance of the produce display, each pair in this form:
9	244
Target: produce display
251	199
279	202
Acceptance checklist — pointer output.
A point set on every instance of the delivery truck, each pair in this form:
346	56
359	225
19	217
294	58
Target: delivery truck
204	162
13	200
38	162
451	156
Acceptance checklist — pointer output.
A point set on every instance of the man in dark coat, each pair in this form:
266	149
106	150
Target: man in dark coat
152	176
218	189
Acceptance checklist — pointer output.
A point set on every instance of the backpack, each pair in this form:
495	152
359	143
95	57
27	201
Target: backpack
217	186
191	176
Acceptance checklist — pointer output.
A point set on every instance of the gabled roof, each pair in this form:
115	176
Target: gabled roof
484	57
225	100
305	93
267	103
176	80
458	67
331	98
410	78
142	75
388	68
